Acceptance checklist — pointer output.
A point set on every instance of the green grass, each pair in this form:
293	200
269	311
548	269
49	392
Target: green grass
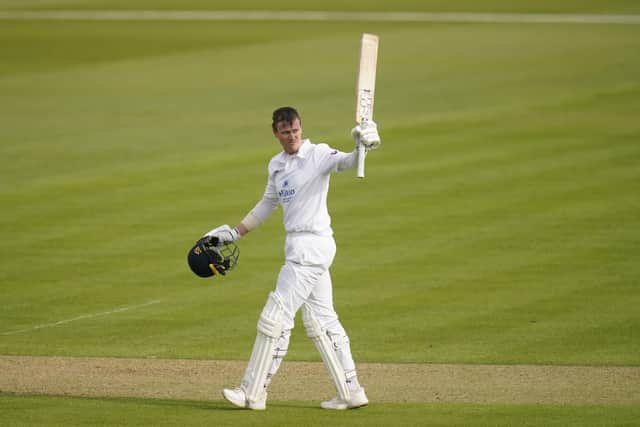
540	6
65	411
499	222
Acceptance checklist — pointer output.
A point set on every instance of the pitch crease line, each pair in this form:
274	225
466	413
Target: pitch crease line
84	316
262	15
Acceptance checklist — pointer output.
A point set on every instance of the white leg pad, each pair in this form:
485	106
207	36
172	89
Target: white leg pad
325	347
270	327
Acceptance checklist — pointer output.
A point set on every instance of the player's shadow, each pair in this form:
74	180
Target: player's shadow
224	406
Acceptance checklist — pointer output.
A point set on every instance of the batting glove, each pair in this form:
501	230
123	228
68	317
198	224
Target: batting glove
366	133
223	234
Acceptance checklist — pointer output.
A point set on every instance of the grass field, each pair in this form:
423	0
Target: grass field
34	410
498	224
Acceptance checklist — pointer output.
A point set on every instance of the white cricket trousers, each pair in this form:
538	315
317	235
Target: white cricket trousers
305	277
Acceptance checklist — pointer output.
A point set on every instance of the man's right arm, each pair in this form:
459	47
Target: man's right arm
261	211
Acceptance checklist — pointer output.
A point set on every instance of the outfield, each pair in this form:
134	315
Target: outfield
499	224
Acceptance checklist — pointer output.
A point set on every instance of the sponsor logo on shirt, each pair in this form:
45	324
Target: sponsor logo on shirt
286	194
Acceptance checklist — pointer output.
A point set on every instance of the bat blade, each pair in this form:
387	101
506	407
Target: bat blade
366	87
367	77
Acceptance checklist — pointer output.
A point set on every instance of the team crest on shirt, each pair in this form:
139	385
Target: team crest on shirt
286	194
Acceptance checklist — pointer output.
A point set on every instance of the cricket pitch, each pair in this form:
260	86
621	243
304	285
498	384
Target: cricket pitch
302	381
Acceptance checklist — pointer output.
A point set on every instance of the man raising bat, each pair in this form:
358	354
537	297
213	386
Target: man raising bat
298	180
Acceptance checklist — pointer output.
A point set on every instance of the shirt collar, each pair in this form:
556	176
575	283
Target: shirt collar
302	153
304	149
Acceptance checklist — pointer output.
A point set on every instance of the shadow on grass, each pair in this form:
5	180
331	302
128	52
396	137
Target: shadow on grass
199	405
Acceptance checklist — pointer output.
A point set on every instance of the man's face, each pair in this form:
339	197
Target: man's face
289	135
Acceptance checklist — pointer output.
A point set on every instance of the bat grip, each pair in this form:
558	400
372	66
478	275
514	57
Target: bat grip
362	153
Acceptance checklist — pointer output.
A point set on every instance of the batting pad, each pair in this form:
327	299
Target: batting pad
270	327
322	342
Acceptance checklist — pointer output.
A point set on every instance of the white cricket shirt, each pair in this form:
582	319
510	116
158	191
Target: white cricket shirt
300	182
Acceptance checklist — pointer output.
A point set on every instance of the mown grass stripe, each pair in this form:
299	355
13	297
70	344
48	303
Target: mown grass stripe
321	16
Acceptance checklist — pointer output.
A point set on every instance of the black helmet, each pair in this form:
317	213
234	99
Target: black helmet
207	258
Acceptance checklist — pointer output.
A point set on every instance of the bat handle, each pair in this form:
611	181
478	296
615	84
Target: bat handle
362	153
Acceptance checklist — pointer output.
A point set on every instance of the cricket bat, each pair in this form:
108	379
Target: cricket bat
366	88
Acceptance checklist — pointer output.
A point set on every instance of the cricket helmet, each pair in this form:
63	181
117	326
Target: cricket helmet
208	258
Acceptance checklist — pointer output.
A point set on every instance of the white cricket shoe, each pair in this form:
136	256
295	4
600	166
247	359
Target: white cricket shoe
357	399
238	398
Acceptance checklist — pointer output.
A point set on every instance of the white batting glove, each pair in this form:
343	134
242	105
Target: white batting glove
366	133
224	234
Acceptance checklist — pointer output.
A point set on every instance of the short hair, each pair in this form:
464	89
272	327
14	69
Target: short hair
284	114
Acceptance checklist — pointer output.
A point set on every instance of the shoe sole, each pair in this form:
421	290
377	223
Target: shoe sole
359	406
345	406
242	405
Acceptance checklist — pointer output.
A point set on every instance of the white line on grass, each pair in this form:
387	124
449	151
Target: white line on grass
259	15
84	316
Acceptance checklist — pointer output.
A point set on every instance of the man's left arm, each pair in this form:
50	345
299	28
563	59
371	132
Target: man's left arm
365	134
